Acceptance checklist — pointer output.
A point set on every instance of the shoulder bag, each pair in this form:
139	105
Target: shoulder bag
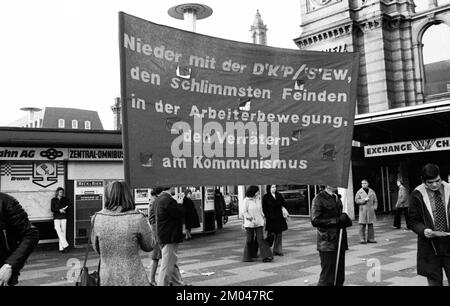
85	278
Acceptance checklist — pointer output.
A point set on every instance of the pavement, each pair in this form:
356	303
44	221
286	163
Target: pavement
215	259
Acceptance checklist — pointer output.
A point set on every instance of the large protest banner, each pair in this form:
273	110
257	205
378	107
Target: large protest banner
199	110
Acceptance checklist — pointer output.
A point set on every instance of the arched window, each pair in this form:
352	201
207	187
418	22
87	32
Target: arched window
74	124
436	59
87	125
61	123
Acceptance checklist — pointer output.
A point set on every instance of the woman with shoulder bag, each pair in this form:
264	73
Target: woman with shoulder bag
119	232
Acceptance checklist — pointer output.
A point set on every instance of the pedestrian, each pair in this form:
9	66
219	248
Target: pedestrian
273	204
368	203
17	240
59	206
219	206
156	253
254	223
401	206
331	223
119	232
429	209
190	214
169	227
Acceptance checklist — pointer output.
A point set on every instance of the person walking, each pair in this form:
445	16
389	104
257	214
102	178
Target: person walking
272	205
59	206
219	206
401	206
429	218
18	239
169	227
331	224
254	223
119	232
368	203
156	253
190	214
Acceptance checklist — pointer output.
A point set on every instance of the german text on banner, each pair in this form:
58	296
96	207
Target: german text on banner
199	110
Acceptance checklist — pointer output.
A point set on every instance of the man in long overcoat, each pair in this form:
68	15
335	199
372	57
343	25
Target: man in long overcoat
429	218
368	203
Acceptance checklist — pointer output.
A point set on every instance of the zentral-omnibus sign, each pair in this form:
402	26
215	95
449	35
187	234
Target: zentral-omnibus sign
414	146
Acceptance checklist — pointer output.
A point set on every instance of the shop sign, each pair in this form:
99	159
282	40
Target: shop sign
33	184
31	176
9	153
407	147
95	154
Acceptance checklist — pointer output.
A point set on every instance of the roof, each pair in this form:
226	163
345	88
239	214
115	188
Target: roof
53	114
64	138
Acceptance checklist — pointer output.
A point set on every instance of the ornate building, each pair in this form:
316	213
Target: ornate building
258	30
403	105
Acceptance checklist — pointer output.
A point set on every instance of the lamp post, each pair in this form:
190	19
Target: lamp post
190	13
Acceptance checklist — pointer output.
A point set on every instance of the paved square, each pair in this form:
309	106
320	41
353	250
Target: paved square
215	259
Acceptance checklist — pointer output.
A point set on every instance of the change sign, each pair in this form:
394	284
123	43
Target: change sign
199	110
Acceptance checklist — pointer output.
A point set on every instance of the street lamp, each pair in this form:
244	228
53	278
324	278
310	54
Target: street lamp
190	12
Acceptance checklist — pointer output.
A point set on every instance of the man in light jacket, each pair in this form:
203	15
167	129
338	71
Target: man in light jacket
368	203
401	206
429	217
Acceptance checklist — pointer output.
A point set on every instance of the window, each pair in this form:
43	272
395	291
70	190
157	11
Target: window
87	125
61	123
436	59
74	124
36	124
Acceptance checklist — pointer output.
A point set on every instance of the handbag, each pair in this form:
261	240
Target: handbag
225	219
85	278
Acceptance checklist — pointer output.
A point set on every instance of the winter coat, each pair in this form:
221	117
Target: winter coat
327	216
169	219
190	214
366	208
219	205
252	208
272	209
402	200
118	237
18	237
420	217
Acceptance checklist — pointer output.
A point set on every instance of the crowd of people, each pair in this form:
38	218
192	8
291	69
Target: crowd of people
119	231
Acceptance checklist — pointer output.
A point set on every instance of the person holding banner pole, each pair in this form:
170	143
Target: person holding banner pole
331	223
169	228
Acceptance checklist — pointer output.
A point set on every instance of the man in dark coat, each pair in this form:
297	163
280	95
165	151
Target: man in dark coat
18	238
429	218
329	219
169	229
272	204
219	206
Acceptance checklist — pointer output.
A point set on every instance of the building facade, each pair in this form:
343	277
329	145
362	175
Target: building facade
403	102
59	118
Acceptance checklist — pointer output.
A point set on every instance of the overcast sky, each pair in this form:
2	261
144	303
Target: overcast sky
65	53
